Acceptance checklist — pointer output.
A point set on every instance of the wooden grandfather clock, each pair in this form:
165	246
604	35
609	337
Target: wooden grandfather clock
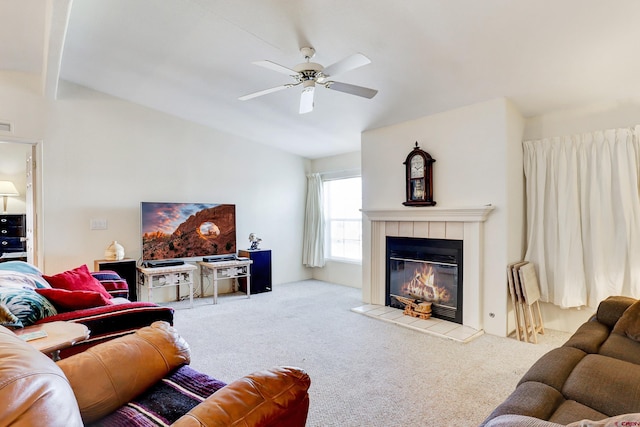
419	182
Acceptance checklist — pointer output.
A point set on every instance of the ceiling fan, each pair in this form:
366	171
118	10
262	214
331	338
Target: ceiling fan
309	74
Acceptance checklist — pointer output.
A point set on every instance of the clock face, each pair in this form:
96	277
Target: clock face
417	167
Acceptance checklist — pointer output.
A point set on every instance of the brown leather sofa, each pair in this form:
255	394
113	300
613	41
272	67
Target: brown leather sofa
87	386
595	375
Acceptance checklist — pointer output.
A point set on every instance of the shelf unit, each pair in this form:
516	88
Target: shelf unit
13	237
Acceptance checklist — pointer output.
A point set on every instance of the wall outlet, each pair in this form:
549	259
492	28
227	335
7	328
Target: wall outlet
98	224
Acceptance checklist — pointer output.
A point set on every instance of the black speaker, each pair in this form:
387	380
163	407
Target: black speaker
260	270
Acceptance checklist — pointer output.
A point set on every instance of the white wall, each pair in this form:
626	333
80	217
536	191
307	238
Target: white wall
102	156
586	118
343	273
22	105
515	186
475	148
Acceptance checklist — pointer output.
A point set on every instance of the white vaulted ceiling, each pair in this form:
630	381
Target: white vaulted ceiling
192	58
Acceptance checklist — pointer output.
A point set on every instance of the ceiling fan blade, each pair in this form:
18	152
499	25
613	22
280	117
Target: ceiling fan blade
276	67
306	99
347	64
364	92
266	91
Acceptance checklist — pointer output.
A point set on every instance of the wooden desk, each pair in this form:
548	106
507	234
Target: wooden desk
224	270
60	335
160	277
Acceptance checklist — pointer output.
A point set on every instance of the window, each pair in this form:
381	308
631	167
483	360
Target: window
343	219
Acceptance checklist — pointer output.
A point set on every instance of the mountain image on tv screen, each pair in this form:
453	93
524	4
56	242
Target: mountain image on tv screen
186	230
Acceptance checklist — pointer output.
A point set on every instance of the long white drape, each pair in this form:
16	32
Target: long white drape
313	239
583	215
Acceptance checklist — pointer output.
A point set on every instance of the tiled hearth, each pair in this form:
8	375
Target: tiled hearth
433	326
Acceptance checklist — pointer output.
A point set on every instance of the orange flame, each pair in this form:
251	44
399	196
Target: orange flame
422	286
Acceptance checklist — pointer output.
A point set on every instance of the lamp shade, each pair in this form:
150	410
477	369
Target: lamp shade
7	188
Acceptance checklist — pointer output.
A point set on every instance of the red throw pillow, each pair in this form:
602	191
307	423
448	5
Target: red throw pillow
65	300
78	279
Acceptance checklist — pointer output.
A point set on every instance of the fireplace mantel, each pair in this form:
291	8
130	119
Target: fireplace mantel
434	213
436	222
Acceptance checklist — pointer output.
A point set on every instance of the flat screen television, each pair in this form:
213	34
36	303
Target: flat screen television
187	230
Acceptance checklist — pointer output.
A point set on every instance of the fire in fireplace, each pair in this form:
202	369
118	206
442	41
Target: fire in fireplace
425	270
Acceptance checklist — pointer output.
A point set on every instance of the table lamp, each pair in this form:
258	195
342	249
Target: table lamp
7	189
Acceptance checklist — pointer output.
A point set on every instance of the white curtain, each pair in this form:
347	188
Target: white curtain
313	239
583	215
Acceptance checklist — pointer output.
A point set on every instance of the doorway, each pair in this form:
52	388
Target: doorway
20	164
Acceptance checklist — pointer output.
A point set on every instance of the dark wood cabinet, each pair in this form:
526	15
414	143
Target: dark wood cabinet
13	232
126	268
260	270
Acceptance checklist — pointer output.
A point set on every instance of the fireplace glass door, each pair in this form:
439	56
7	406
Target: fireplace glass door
426	270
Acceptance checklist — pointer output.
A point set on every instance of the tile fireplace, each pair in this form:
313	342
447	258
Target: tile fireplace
463	225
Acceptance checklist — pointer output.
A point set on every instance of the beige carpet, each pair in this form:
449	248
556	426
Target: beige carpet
364	372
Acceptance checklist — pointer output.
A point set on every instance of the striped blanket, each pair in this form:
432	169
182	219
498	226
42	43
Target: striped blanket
165	402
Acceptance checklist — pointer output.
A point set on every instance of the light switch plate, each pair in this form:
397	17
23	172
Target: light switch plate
98	224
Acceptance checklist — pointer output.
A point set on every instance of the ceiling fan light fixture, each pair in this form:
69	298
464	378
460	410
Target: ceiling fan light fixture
309	73
306	97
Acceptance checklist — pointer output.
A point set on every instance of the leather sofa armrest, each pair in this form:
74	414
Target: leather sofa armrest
274	397
113	373
33	390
